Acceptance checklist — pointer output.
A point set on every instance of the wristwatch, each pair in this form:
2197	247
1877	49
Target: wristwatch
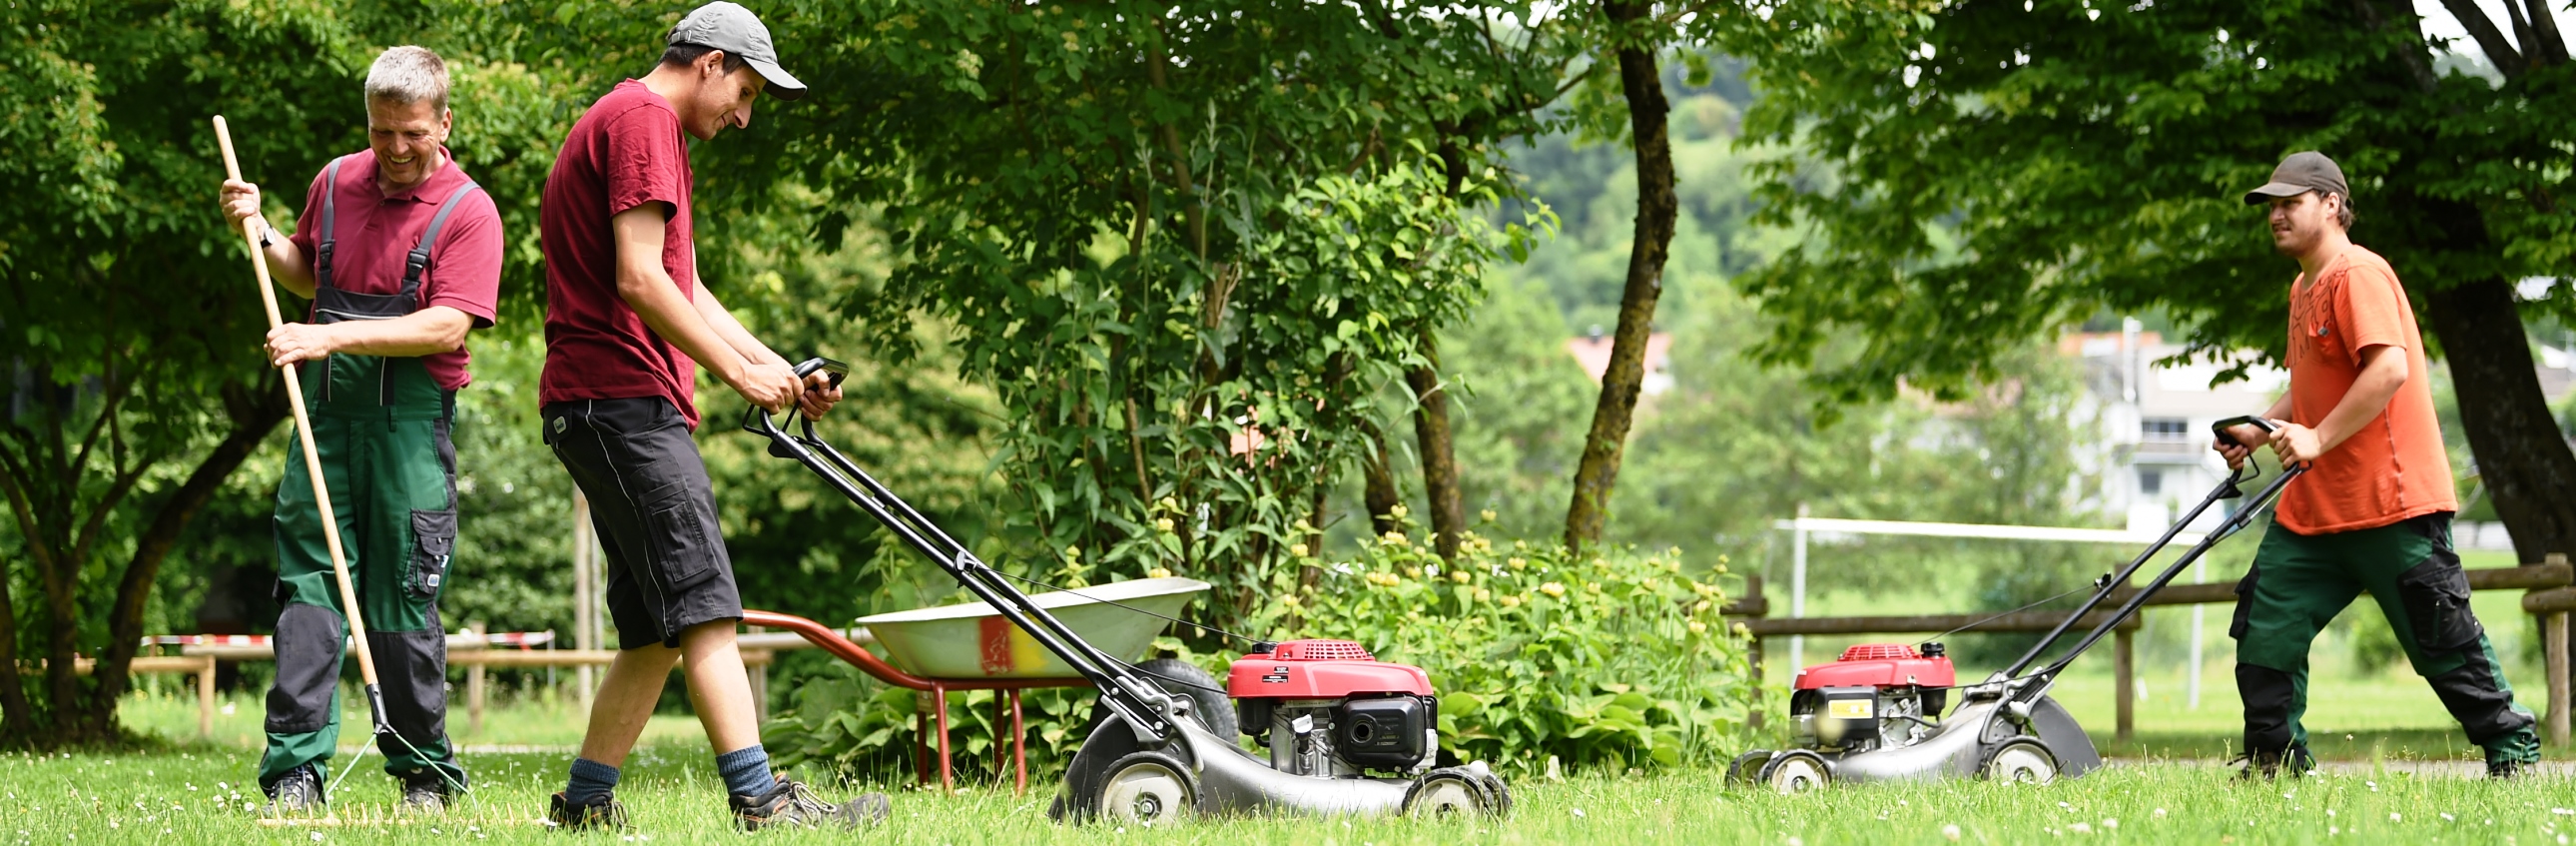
264	231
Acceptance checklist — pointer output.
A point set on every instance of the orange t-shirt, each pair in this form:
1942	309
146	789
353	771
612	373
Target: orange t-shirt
2395	467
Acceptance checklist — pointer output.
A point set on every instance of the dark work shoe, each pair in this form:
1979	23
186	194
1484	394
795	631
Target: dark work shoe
2272	763
603	813
793	804
426	791
297	793
2511	756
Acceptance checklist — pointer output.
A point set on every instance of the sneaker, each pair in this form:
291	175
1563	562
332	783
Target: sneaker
792	803
2271	763
604	813
426	791
297	793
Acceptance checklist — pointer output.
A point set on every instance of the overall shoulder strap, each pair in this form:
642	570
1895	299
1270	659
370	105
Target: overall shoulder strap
418	261
322	255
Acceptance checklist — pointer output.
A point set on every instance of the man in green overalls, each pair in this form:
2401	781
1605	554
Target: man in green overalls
401	256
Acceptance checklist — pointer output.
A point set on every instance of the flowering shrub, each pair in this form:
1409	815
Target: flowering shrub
1612	656
1609	657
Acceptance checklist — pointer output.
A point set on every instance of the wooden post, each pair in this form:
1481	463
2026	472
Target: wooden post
583	552
474	688
206	697
2554	652
2124	676
757	661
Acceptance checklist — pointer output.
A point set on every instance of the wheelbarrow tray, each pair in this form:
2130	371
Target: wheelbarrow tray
971	641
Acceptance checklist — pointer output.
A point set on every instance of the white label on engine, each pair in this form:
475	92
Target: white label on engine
1851	709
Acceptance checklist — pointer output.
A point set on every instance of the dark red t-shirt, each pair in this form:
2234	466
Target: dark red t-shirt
374	231
625	152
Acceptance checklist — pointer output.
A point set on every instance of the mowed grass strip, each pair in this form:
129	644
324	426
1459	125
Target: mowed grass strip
198	796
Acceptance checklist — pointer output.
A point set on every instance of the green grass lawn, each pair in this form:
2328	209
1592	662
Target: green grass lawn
196	795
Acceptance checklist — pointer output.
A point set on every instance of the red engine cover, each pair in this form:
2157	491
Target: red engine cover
1879	665
1320	669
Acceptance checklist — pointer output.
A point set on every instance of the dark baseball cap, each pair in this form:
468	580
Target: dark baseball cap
736	31
2302	172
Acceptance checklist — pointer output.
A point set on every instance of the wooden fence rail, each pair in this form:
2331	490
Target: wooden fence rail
2546	586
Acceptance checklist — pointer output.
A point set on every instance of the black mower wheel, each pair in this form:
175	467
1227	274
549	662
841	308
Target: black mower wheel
1451	793
1747	768
1149	789
1501	792
2021	761
1208	702
1796	772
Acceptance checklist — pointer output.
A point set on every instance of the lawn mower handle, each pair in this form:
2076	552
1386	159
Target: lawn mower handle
1141	703
2255	420
2230	488
756	419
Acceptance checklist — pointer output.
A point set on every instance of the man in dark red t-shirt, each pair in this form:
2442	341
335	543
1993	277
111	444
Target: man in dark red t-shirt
627	324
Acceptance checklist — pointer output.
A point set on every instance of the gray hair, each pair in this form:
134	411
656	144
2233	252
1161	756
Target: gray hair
408	74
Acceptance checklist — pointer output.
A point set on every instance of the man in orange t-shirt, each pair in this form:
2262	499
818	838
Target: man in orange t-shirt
2374	511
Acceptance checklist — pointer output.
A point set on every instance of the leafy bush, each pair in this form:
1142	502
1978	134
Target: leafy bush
1614	657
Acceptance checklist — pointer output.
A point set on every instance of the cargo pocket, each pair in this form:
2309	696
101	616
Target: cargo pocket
2436	596
681	536
433	545
2237	623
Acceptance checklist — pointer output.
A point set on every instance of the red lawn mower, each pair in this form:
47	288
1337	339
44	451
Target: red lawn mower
1345	733
1875	714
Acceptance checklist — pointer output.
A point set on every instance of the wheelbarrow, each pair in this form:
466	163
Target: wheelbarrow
971	647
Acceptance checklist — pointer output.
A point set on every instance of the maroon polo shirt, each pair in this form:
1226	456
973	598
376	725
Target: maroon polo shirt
625	152
374	231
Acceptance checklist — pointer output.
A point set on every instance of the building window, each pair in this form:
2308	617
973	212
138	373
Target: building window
2151	481
2164	429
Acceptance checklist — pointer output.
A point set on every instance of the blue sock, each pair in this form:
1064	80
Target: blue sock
746	771
592	782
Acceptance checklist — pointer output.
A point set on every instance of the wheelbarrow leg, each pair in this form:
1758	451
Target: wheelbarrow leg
1019	746
939	703
920	744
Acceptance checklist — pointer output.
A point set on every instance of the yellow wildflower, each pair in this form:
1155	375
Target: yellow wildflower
1460	576
1552	589
1158	573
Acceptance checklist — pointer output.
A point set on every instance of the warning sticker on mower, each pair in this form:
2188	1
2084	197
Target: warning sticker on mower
1851	709
1277	675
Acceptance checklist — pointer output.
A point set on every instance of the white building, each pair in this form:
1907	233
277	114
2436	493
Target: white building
2154	460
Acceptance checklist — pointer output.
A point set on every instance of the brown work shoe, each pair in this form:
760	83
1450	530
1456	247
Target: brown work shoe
602	813
793	804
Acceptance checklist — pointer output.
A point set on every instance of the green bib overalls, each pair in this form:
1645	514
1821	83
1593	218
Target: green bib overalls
381	429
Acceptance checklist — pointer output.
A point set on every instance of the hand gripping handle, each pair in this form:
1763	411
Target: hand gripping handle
2256	420
757	420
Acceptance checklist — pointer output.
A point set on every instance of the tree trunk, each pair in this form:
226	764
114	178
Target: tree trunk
255	412
1439	458
1378	493
1642	82
2523	459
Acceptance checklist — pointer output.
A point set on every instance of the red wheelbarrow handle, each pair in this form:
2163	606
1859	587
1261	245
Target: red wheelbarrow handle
831	641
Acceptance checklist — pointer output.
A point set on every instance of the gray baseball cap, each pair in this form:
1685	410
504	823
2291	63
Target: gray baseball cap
736	31
2302	172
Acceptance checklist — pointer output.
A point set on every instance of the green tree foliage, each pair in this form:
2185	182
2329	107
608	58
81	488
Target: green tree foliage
2083	155
130	320
1185	245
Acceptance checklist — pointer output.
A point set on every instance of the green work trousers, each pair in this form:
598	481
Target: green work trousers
2300	582
380	427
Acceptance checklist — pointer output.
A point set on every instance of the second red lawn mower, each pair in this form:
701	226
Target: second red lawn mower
1875	714
1346	734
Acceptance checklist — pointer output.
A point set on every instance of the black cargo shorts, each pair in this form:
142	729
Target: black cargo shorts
655	513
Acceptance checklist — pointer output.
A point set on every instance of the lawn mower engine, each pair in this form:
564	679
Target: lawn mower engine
1875	715
1878	694
1327	708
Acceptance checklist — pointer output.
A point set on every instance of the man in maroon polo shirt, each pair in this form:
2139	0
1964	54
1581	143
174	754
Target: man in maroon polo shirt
401	256
627	324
